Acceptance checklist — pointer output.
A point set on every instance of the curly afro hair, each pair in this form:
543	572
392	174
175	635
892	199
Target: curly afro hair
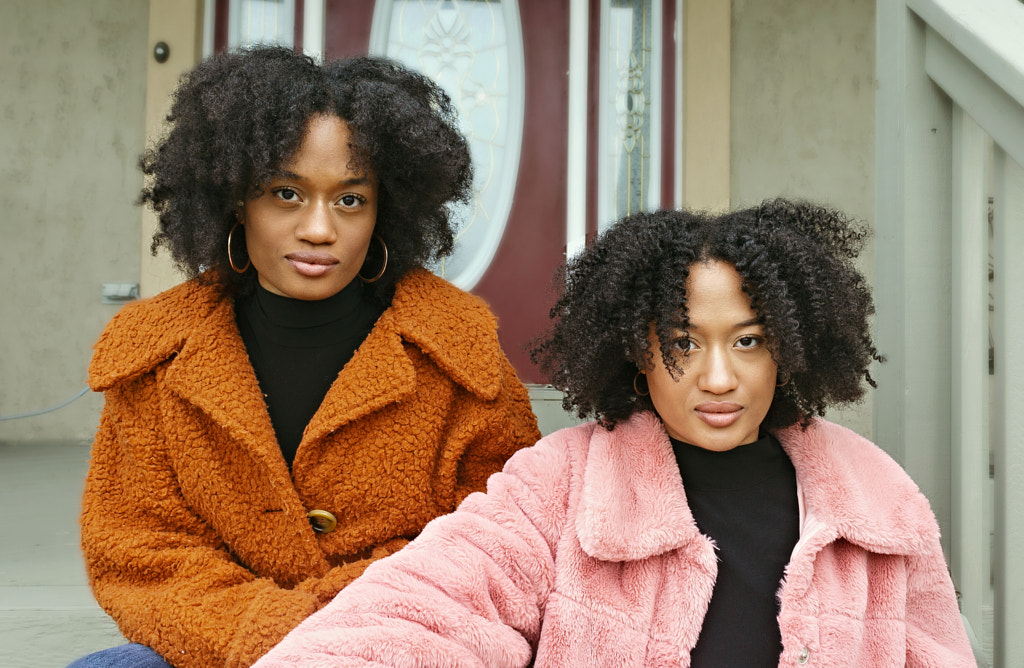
238	118
796	261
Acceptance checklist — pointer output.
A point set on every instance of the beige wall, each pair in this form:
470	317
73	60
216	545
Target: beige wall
803	112
73	107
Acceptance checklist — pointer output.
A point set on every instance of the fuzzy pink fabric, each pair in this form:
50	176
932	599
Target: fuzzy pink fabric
583	552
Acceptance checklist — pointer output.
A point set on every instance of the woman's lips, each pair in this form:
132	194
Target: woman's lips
719	413
311	264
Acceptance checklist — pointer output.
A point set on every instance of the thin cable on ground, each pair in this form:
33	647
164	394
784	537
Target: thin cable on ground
45	410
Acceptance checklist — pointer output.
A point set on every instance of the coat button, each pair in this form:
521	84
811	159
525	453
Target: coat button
805	655
321	521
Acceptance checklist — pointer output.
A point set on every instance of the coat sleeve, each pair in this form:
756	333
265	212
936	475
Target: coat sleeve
469	591
935	632
160	570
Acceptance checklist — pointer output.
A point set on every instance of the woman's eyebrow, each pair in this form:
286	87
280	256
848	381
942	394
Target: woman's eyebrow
694	326
354	181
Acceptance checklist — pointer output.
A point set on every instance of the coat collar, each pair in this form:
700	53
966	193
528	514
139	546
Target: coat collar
194	323
455	328
851	486
212	371
633	505
146	333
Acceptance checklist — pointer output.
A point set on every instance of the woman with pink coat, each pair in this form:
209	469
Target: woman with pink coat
709	516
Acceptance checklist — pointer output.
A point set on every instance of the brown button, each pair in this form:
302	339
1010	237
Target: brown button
322	521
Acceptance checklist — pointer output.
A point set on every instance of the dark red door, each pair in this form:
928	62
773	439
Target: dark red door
518	280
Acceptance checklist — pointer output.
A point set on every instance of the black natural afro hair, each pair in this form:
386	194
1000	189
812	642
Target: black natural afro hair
796	261
238	118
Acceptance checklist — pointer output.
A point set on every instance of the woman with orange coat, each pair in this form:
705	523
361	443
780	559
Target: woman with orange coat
313	396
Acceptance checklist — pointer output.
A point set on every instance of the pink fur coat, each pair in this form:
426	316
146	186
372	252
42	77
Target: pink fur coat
583	552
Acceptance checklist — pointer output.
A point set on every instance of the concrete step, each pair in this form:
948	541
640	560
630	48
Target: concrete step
48	616
43	637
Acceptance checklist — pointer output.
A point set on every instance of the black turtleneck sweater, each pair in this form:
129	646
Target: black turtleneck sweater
744	499
297	349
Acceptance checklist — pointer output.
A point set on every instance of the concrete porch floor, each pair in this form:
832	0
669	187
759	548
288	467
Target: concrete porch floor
48	616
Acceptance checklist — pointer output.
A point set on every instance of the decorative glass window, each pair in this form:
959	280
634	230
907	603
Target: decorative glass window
474	50
629	116
261	22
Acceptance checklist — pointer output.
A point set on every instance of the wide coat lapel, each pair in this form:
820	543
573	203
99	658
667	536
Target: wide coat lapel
851	486
381	372
212	372
632	504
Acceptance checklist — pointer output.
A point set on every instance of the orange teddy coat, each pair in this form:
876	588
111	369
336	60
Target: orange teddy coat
195	532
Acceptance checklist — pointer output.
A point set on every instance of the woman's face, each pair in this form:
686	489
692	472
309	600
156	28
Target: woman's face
728	375
308	233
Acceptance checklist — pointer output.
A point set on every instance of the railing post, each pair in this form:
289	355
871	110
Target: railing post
935	57
969	542
913	243
1008	413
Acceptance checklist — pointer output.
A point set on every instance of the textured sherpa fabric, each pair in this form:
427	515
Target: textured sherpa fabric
194	530
584	553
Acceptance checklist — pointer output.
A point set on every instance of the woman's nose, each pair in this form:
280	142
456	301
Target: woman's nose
317	225
717	375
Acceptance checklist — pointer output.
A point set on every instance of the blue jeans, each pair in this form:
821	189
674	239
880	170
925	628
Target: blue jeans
123	656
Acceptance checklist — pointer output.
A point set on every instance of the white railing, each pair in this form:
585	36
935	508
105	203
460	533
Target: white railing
950	287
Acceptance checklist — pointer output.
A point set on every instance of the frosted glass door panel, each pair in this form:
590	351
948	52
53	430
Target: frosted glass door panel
261	22
474	50
629	115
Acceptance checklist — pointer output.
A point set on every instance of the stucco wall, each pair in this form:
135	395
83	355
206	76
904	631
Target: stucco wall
803	96
72	105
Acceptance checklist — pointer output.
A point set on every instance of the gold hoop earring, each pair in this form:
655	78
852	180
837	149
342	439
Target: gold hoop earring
231	261
383	267
784	382
637	389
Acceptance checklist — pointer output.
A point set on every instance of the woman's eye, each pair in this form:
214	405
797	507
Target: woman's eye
350	201
683	346
287	194
748	342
